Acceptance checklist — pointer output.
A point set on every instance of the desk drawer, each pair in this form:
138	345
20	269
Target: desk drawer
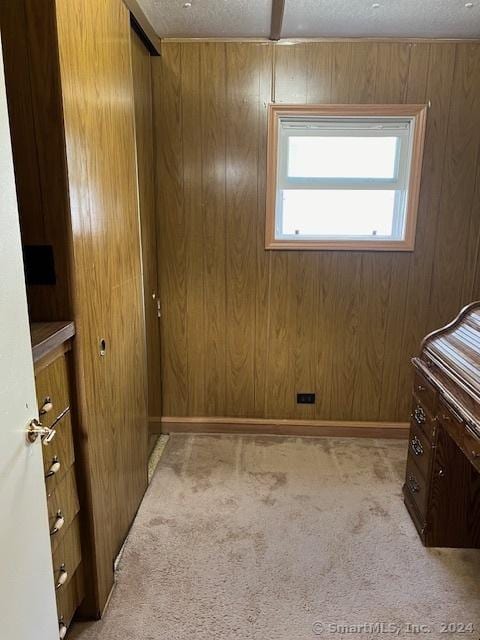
422	419
70	598
420	449
425	393
52	390
416	487
62	504
67	556
60	451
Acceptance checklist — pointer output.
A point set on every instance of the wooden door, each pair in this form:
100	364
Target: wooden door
142	84
99	122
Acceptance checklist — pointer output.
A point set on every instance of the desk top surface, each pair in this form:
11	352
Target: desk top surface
47	336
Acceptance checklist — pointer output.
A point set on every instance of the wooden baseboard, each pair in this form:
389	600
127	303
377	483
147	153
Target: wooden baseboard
169	424
155	425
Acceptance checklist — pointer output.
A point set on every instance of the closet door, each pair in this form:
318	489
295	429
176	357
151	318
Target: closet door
98	106
142	84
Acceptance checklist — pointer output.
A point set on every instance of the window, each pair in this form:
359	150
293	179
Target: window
344	177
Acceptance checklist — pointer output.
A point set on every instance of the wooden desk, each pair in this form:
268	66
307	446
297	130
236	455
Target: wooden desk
442	484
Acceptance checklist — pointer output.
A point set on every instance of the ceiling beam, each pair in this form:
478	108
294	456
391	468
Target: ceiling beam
278	7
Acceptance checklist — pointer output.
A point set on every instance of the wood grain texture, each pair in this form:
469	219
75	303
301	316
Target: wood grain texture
47	336
35	111
68	554
99	122
345	325
53	384
285	427
142	86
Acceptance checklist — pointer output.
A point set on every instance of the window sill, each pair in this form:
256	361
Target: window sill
361	245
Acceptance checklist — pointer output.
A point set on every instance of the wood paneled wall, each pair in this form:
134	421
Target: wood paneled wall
245	329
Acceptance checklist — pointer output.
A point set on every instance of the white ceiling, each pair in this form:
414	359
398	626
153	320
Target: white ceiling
409	18
315	18
209	18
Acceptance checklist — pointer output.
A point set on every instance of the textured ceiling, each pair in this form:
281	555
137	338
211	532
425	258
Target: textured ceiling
315	18
209	18
412	18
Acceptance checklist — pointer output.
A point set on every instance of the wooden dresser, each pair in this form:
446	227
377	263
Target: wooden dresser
51	346
442	485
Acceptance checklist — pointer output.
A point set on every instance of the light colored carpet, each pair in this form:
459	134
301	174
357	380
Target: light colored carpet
259	538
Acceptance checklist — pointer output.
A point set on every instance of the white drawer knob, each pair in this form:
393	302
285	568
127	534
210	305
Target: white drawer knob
46	406
58	524
62	630
62	577
54	467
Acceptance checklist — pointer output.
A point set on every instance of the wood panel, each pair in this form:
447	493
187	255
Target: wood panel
285	427
99	119
142	86
342	325
35	111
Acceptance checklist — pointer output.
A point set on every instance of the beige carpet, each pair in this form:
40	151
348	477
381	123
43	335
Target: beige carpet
266	538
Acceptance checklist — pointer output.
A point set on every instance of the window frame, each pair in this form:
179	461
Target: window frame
417	112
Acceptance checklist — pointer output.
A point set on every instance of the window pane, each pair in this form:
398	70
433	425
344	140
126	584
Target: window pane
342	157
338	213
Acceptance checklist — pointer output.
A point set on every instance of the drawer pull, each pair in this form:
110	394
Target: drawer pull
441	473
419	415
62	630
420	388
413	484
54	467
416	446
58	524
48	437
475	454
46	407
62	576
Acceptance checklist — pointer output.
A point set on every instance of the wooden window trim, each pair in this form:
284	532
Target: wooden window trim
276	111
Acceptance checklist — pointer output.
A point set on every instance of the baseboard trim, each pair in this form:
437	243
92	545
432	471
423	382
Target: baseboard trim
154	425
173	424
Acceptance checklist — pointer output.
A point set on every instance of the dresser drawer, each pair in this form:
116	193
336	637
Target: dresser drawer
59	454
420	449
70	598
62	505
425	393
416	487
52	385
421	418
67	556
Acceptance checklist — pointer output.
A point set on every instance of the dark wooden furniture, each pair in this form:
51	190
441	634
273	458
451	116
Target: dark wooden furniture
51	347
442	485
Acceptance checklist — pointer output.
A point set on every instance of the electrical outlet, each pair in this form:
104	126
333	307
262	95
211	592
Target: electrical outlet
305	398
